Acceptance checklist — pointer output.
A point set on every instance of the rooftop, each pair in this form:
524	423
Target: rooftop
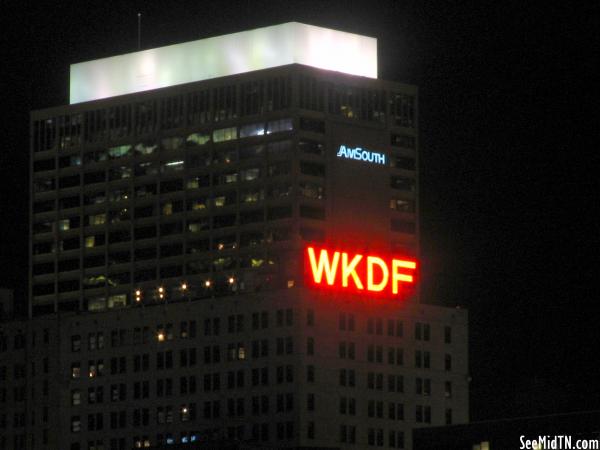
230	54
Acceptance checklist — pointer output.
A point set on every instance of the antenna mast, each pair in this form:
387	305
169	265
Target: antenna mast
139	31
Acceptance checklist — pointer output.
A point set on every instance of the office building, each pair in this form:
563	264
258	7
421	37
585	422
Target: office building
224	239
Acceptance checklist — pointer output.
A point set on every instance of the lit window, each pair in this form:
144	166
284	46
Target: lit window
76	397
280	125
198	139
254	129
402	205
119	152
64	225
145	149
250	174
172	166
117	301
220	201
97	219
75	424
185	413
197	204
225	134
75	370
172	143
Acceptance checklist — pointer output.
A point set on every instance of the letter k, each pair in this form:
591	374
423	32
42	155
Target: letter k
349	270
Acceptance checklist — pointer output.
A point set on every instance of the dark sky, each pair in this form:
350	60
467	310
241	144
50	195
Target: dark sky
508	184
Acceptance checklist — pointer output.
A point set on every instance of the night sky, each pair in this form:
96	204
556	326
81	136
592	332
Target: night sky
508	188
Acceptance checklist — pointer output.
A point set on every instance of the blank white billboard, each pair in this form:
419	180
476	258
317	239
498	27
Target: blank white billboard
288	43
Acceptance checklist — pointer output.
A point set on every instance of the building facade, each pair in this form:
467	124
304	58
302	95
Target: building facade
169	237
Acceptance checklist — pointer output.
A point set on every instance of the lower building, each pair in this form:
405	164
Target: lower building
286	368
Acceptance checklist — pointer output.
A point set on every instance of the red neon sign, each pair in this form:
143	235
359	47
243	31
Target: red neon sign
359	273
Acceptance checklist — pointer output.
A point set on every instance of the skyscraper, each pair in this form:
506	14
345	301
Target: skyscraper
227	231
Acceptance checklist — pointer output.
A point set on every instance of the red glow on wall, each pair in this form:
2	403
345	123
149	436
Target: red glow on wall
355	272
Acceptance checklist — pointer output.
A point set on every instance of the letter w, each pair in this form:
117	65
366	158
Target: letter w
324	265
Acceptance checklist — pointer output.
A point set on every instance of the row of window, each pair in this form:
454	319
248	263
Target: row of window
200	107
221	103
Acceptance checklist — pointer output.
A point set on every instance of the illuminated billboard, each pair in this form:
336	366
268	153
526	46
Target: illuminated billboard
355	272
230	54
361	154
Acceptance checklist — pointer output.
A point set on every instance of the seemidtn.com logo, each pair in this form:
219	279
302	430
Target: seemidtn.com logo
558	442
360	154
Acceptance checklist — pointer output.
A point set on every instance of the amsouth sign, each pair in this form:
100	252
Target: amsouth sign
361	154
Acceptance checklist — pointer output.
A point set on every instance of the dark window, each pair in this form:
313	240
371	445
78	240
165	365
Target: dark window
67	182
402	183
94	177
171	186
316	126
311	212
312	168
279	212
46	164
403	140
401	226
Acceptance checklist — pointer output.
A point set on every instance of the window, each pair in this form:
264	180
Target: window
95	395
75	343
422	331
395	356
76	370
402	140
96	219
276	126
225	134
313	125
347	377
310	402
403	205
448	362
375	437
347	350
75	424
395	328
423	414
375	381
310	374
312	168
422	359
402	183
311	147
348	406
448	389
448	416
447	335
254	129
197	139
396	439
375	409
423	386
310	346
395	411
403	226
75	397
